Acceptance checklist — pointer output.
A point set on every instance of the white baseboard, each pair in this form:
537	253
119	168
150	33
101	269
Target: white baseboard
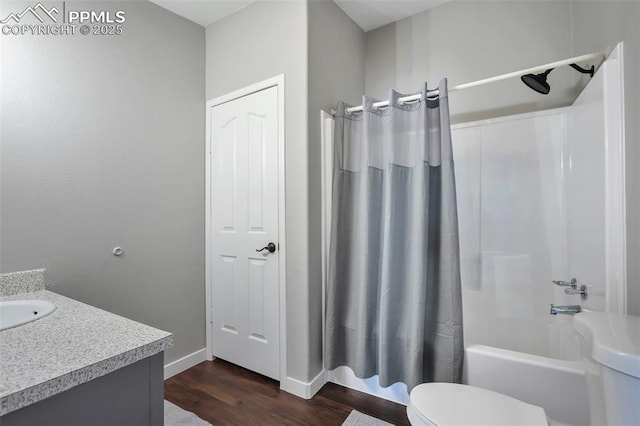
302	389
184	363
344	376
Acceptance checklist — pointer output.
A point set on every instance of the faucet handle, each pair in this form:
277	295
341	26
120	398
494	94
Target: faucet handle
573	283
583	291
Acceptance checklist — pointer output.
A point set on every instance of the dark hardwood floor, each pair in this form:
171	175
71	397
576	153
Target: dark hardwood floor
225	394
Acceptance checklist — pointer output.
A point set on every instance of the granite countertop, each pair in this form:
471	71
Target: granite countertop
73	345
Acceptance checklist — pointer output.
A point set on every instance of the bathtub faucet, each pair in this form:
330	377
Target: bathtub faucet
573	288
569	309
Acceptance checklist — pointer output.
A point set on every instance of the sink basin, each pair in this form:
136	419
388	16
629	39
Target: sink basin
18	312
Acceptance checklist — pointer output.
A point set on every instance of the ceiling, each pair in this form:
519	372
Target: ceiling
203	12
368	14
371	14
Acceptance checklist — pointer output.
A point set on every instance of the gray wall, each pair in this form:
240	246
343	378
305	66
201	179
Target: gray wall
471	40
336	73
261	41
102	143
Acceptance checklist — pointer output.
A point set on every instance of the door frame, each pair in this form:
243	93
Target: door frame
277	81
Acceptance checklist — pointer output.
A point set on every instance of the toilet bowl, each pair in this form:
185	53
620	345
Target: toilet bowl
444	404
610	347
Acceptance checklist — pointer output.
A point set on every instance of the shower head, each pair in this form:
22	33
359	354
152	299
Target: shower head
537	82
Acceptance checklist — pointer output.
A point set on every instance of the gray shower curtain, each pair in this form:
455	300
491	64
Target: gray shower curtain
393	296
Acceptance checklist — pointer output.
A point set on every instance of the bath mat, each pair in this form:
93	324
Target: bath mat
176	416
356	418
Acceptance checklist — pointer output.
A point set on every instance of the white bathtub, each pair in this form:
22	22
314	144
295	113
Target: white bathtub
558	386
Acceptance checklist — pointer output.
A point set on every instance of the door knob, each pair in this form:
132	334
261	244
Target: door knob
271	247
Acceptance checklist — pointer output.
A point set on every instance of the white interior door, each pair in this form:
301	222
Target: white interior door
244	219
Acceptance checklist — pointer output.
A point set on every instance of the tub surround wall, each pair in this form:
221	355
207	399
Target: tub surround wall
21	282
512	245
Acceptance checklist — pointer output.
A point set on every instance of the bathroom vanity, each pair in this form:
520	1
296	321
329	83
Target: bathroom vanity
78	365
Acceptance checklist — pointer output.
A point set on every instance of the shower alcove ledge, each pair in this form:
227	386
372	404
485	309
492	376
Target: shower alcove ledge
80	365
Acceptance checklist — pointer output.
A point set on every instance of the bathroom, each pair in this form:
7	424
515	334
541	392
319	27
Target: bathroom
103	139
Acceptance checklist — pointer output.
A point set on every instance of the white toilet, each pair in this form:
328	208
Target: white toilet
610	346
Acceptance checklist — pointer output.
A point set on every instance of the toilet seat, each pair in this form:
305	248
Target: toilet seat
444	404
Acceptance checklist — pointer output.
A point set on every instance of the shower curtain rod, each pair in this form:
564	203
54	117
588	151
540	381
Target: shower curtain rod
417	97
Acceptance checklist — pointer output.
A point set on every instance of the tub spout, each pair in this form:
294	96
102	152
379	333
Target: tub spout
569	309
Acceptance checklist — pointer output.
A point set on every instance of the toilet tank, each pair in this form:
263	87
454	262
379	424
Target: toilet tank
610	346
